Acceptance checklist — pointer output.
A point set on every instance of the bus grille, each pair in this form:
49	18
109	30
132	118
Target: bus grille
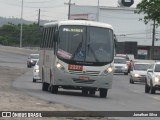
90	73
83	81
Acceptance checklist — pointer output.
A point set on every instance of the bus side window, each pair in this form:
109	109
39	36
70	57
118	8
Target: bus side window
44	39
48	38
55	39
44	36
51	39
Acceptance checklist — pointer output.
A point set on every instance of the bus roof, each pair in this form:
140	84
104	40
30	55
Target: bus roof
79	22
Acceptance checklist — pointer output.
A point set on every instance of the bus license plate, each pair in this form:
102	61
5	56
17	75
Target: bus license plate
83	78
75	67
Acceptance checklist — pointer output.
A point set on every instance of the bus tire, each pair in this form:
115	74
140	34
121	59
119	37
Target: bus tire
34	80
45	86
84	91
92	92
103	92
54	89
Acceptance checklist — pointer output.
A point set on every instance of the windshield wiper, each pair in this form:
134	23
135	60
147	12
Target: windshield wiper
92	51
78	48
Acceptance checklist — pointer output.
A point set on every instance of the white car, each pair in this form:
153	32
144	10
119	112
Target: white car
138	72
153	79
120	65
36	72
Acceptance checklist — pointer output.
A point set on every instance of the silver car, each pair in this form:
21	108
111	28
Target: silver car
138	72
153	79
120	65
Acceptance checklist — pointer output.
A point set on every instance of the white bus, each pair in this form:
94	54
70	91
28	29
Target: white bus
77	54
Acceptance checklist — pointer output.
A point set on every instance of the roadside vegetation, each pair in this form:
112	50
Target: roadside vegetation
10	35
151	9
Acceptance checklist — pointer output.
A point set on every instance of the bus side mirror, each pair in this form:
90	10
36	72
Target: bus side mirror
115	41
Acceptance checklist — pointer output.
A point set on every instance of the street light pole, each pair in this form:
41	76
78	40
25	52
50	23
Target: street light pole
21	25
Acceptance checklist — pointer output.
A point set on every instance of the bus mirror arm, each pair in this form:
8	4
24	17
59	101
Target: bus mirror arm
56	36
115	41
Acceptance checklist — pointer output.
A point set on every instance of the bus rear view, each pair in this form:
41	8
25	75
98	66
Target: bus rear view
81	57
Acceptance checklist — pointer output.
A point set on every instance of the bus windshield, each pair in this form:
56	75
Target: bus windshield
86	45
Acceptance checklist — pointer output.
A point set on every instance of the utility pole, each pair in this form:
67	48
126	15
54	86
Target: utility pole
98	11
69	10
21	25
39	12
153	39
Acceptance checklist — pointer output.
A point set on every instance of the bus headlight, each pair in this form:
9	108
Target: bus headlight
156	79
108	70
60	67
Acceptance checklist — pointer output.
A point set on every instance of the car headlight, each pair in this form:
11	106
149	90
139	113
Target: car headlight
36	70
125	67
107	71
60	67
156	79
31	61
136	75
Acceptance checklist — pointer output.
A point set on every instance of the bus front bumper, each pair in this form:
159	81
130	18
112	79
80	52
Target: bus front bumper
73	80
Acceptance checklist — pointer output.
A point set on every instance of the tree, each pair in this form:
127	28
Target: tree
10	34
151	10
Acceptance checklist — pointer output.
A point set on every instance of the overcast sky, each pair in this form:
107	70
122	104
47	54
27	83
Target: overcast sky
50	9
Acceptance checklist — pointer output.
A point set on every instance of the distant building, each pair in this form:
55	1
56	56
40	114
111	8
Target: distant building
126	24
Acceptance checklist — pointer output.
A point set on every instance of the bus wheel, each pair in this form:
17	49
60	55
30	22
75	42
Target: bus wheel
54	89
34	80
45	86
84	91
103	92
92	92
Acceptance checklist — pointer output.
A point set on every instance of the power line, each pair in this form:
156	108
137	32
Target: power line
39	1
26	6
145	38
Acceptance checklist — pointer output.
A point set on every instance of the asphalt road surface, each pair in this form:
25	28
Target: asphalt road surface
122	97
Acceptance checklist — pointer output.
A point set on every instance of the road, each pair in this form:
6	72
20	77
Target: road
122	97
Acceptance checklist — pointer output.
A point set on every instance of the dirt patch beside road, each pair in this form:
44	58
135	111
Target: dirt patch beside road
14	100
21	51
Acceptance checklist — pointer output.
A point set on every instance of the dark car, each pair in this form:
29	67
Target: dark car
32	59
